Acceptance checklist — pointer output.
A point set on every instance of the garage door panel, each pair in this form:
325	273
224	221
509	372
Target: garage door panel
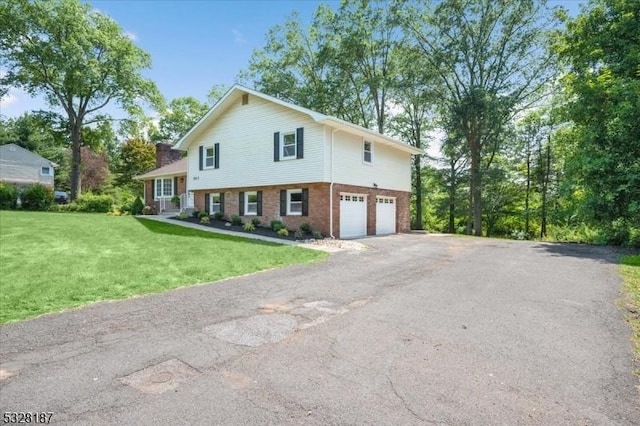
385	215
353	215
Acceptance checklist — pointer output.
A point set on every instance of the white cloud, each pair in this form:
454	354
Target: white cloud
131	35
8	99
238	37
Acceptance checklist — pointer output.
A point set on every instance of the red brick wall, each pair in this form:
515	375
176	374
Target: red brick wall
318	205
149	195
165	154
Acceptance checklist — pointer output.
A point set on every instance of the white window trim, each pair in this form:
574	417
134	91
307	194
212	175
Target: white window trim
364	142
213	157
289	192
211	203
246	203
295	146
155	188
46	174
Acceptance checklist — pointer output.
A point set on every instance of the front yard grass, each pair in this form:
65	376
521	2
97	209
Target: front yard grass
631	277
53	261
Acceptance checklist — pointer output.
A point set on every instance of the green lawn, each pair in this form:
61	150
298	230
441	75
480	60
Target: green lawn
53	261
631	276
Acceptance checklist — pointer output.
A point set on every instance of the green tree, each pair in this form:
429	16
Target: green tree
488	56
179	117
602	50
78	58
136	157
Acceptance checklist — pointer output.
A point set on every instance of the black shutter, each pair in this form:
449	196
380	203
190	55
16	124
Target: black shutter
222	202
216	154
241	204
283	202
300	142
259	208
201	157
276	146
305	202
153	189
206	203
175	186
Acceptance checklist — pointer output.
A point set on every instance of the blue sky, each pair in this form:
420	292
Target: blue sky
197	44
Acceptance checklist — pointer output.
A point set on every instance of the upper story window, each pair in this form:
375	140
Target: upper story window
209	157
46	171
288	146
164	188
367	152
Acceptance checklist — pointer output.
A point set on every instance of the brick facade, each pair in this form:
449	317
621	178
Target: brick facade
318	216
149	195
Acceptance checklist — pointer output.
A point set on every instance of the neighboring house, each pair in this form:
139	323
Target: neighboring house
21	167
257	156
167	180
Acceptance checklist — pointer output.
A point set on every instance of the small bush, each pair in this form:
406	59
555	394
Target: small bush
305	228
283	232
38	197
182	215
218	215
249	227
203	214
91	203
204	219
148	210
137	206
236	220
277	225
299	235
317	235
176	200
8	196
196	213
255	221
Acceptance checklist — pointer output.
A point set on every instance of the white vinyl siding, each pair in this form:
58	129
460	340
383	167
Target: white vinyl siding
247	132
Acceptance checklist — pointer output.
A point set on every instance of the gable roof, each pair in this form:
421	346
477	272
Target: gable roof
237	90
176	168
12	153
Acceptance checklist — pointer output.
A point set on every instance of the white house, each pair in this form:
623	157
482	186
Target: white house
257	156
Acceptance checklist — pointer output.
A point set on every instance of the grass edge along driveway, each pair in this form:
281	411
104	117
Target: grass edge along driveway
630	270
55	261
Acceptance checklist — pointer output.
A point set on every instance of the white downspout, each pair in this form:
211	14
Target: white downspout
331	189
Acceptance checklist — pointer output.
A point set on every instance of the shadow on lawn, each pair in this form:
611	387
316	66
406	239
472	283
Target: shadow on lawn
603	254
181	231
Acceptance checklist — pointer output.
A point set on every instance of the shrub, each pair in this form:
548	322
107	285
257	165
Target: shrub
204	219
249	226
196	213
236	220
283	232
277	225
305	228
137	206
255	221
202	214
299	235
8	196
91	203
317	235
37	197
176	200
182	215
218	215
149	210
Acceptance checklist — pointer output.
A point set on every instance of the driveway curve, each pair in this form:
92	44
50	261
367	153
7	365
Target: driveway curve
417	329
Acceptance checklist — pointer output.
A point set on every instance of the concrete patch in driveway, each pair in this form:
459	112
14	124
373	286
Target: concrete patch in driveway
159	378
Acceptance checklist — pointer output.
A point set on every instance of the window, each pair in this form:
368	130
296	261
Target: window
209	157
164	188
245	99
46	171
214	200
294	202
288	145
250	203
367	152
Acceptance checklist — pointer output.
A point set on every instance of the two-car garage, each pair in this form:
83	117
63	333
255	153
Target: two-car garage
353	215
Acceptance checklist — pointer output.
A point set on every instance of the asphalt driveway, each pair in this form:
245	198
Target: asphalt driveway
416	329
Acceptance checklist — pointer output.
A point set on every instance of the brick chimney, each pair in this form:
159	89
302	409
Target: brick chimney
165	154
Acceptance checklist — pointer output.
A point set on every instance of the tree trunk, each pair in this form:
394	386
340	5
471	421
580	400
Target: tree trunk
418	188
476	187
545	183
452	197
76	144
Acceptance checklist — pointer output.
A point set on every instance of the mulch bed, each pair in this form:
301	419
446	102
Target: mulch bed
223	224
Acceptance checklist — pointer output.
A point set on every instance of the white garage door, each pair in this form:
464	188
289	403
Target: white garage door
385	215
353	215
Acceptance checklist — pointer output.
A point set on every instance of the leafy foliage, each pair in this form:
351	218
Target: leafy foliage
37	197
8	196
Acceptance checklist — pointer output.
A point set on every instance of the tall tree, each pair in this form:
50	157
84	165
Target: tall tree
136	157
180	116
78	58
488	56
